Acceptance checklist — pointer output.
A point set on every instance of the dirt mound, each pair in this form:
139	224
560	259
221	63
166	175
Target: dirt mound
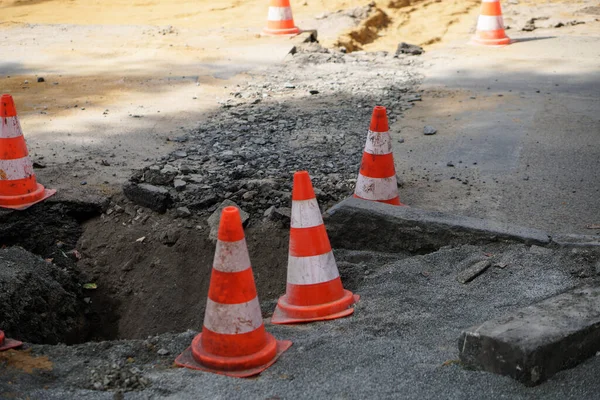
366	32
39	302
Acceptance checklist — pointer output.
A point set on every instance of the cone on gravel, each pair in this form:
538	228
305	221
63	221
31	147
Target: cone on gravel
233	341
280	20
314	288
490	26
7	344
18	186
377	177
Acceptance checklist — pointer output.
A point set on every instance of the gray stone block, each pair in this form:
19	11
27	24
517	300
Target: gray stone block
153	197
572	240
365	225
535	342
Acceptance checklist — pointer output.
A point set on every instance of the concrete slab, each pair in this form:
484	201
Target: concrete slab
363	225
534	343
519	126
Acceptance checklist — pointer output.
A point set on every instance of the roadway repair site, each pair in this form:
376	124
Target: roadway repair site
149	118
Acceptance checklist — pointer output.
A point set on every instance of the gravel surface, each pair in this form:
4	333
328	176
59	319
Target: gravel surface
311	112
401	341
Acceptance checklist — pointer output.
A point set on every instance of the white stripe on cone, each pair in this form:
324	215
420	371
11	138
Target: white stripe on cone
379	143
306	214
490	23
10	127
491	1
231	256
232	319
312	270
280	14
376	188
19	168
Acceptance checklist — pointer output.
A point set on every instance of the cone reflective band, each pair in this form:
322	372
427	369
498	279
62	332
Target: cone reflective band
7	344
377	177
490	25
280	20
314	289
233	341
18	185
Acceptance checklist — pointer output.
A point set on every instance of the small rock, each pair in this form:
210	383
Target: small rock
249	195
41	79
150	196
289	86
179	154
429	130
170	236
450	164
313	92
540	251
405	48
473	271
163	352
155	177
183	212
179	185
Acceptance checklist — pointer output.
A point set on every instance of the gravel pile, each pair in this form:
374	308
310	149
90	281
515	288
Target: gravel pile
311	112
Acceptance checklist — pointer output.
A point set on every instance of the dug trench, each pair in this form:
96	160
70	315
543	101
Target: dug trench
100	269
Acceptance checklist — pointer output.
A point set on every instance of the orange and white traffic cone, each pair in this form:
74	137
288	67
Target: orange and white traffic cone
18	186
377	177
233	341
280	20
7	344
314	288
490	26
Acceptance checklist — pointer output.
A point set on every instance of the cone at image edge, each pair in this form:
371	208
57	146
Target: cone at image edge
314	290
233	341
7	344
19	188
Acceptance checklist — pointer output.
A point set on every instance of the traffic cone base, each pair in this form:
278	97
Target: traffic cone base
280	20
286	313
18	185
490	25
194	357
233	341
7	344
25	201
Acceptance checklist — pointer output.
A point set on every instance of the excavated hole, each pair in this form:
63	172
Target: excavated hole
150	272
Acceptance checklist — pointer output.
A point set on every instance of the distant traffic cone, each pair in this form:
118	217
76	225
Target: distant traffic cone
7	344
280	20
314	288
490	26
377	177
233	341
18	186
